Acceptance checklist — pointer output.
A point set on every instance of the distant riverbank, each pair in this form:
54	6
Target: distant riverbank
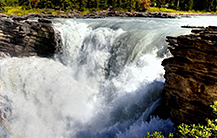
104	14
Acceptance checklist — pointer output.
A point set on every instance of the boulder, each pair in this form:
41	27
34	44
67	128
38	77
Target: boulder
26	38
191	76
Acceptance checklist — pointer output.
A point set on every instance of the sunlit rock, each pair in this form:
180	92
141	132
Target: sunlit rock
191	76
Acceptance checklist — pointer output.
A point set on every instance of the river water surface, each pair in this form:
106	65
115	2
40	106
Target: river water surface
105	82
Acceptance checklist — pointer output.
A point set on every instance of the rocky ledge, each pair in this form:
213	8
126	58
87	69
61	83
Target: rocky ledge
26	38
100	14
191	76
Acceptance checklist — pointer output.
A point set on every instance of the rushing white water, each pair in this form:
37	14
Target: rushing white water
105	82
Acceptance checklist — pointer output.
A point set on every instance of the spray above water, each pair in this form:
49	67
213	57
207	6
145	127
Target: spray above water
105	82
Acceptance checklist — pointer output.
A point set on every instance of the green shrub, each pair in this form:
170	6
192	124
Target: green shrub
155	9
20	10
14	10
157	135
193	131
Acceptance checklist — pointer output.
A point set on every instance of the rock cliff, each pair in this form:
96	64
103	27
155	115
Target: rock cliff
191	76
26	38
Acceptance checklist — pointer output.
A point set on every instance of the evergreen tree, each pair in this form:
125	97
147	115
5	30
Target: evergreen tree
2	3
82	5
97	4
159	3
103	4
119	4
11	2
153	3
171	4
131	5
190	4
214	5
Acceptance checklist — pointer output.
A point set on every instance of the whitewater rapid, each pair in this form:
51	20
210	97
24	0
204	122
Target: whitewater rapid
104	83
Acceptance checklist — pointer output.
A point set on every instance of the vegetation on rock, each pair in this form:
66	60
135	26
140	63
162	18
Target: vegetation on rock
21	7
192	130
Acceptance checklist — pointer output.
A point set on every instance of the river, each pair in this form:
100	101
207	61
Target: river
104	83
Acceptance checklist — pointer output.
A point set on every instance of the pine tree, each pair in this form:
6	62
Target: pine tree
214	5
190	4
103	4
82	5
97	4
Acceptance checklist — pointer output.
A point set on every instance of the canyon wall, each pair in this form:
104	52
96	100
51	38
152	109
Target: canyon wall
26	38
191	76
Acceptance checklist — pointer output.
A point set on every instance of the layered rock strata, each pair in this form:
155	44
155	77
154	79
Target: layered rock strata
26	38
191	76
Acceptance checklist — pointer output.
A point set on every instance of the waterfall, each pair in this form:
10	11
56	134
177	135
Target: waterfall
104	83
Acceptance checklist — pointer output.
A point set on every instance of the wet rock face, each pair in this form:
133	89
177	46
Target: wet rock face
26	38
191	76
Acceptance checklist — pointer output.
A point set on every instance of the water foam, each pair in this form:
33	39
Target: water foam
105	82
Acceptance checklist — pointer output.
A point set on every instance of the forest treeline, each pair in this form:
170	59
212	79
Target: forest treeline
127	5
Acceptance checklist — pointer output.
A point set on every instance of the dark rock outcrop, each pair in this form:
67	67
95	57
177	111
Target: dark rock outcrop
100	14
191	76
27	38
106	13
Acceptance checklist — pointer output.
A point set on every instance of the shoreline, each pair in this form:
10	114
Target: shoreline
106	13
